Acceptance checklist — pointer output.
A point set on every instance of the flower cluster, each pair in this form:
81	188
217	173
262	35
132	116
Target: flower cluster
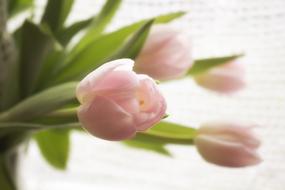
117	101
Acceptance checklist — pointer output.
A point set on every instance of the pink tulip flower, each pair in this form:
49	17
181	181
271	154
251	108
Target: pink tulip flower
227	78
117	102
166	54
227	145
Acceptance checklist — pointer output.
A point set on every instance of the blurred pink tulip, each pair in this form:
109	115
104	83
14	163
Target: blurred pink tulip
166	54
227	145
117	102
227	78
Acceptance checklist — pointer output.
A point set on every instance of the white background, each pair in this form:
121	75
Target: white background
219	27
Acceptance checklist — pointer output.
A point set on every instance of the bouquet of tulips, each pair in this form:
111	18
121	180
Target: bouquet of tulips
106	83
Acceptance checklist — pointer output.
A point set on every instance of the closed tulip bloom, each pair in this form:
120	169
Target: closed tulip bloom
227	145
166	54
227	78
116	102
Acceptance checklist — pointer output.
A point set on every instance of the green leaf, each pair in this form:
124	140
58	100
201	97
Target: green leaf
35	46
56	13
204	65
101	51
126	31
145	145
132	47
9	73
105	48
65	35
172	131
41	103
98	24
54	146
54	59
17	6
62	116
169	17
12	128
162	134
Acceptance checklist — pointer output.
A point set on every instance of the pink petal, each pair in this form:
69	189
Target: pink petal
231	132
224	153
154	104
105	119
87	85
221	81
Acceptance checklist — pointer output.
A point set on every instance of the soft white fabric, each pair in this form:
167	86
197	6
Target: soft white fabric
218	27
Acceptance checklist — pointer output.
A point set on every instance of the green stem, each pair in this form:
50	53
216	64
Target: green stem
41	103
7	128
158	138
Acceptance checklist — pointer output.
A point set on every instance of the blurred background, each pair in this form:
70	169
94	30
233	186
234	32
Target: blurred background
217	28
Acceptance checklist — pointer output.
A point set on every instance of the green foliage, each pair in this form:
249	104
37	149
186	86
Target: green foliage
17	6
204	65
107	47
54	146
132	47
32	55
162	134
66	34
41	103
7	128
56	13
97	53
9	91
47	69
98	24
144	144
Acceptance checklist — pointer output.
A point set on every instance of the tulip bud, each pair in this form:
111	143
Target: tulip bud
117	102
166	54
227	145
226	78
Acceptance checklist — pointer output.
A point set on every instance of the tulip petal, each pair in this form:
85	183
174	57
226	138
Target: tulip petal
231	132
225	153
166	54
105	119
221	81
87	85
153	107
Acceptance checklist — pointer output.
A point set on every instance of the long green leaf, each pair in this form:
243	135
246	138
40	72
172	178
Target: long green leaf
54	59
149	146
132	47
172	130
204	65
41	103
98	53
98	24
126	31
54	146
35	46
162	134
65	35
103	49
62	116
56	13
12	128
17	6
9	73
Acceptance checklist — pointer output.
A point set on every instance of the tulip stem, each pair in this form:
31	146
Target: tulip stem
146	136
36	127
41	104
